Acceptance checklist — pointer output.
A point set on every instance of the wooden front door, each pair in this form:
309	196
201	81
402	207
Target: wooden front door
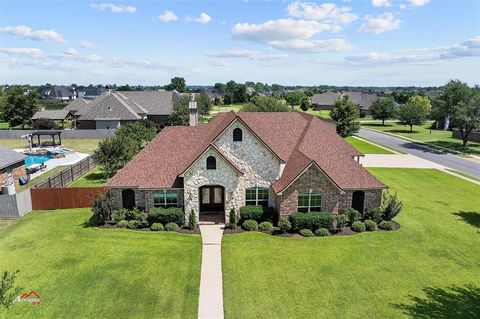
212	199
358	200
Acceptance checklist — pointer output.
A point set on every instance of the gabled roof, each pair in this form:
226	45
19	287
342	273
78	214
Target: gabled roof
364	100
109	106
52	114
296	138
76	105
154	102
9	157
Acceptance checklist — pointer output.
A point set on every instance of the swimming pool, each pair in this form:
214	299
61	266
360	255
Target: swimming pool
37	159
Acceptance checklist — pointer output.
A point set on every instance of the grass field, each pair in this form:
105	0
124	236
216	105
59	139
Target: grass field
365	147
41	178
425	134
84	272
94	178
406	273
79	145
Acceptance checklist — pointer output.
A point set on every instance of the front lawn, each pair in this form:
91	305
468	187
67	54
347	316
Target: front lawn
405	273
93	178
366	148
80	145
84	272
425	134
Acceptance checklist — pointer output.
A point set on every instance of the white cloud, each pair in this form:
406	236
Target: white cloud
379	24
418	3
87	45
327	12
71	51
29	52
168	16
113	8
468	48
290	34
249	54
24	31
219	63
203	18
381	3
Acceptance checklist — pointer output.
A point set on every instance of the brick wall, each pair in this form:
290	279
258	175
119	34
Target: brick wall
143	198
18	171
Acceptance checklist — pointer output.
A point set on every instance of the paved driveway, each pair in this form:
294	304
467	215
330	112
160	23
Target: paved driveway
445	159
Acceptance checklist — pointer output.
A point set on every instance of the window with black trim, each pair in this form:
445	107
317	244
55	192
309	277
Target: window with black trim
211	162
165	199
309	202
256	196
237	135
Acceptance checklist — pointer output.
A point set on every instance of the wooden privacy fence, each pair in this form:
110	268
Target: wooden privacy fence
57	198
68	175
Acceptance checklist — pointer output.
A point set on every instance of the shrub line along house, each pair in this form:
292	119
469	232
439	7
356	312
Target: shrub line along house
290	161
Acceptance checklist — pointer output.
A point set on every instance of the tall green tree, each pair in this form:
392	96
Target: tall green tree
180	108
177	83
453	93
383	108
295	98
141	132
345	113
266	104
415	111
305	104
18	108
467	115
113	153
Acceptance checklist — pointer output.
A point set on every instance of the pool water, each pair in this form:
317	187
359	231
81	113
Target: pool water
37	159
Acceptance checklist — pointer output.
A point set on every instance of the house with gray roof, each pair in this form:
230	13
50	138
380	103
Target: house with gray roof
114	108
324	101
12	167
57	93
78	107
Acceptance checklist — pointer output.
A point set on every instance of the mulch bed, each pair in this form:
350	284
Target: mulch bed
184	229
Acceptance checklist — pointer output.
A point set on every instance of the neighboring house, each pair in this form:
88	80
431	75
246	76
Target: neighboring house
12	167
92	92
324	101
291	161
214	94
57	93
78	107
112	109
54	115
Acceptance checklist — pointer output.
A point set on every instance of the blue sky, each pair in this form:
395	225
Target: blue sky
374	42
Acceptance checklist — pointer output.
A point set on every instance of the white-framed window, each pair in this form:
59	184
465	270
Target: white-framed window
165	199
309	202
256	196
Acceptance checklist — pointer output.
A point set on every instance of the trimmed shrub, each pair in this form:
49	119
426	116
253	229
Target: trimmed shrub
132	224
386	225
192	220
312	220
358	227
119	215
352	214
133	214
284	225
171	227
250	225
265	226
232	217
258	213
102	210
391	206
322	232
370	225
157	227
342	221
122	224
165	215
44	124
306	232
374	213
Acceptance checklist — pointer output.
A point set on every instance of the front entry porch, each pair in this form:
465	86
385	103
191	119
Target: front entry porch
212	204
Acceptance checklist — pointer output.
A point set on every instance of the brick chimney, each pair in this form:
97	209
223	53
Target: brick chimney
192	112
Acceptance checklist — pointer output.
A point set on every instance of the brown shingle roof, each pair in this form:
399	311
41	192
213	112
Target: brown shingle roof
297	139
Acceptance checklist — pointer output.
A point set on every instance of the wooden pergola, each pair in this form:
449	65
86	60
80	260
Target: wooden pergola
38	134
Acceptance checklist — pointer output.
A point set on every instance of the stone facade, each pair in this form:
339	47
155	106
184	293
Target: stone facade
17	170
333	199
143	197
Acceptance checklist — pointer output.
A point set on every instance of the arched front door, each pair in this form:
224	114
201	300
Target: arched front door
128	198
212	199
358	200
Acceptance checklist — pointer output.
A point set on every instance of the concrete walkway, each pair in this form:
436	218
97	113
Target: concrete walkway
211	288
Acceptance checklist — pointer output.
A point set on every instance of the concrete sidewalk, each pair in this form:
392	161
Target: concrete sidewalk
211	287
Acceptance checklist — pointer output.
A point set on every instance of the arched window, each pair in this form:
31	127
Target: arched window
237	135
128	198
211	162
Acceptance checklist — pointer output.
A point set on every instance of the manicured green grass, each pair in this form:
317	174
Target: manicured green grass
425	134
84	272
79	145
41	178
365	147
320	113
370	275
6	222
464	174
94	178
